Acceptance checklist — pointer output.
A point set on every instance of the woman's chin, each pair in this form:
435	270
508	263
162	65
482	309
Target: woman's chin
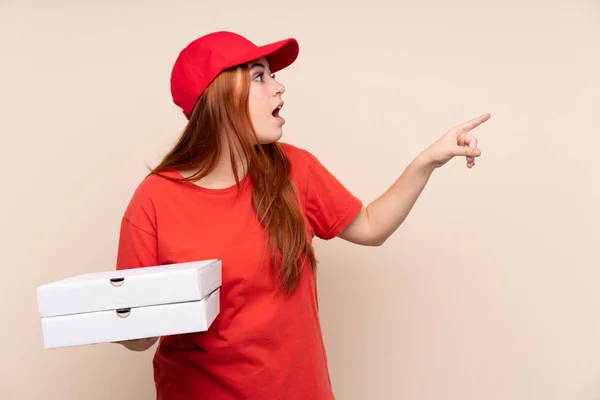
271	137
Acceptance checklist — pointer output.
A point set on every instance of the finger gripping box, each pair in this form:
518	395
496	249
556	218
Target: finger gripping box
130	304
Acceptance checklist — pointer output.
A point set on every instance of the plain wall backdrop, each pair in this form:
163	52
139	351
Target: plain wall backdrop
490	288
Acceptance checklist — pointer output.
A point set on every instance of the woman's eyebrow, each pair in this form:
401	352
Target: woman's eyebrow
255	65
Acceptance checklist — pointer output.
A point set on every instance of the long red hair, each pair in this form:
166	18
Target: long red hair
222	114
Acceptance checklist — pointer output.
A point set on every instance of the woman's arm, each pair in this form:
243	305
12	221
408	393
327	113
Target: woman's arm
138	344
376	222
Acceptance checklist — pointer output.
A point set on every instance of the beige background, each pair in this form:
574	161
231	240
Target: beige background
488	291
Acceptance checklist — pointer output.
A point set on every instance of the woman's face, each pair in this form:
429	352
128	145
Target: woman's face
265	102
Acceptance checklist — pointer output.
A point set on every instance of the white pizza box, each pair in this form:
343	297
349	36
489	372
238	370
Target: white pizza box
131	323
130	304
136	287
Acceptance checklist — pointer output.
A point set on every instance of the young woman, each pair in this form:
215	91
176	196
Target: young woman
230	190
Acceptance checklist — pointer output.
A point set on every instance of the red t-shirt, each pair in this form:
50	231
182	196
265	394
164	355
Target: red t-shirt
260	346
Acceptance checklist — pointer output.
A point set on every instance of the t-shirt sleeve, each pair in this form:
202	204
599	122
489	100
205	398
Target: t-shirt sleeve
330	206
138	243
136	248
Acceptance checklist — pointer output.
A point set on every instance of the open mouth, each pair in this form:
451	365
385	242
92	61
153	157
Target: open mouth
276	111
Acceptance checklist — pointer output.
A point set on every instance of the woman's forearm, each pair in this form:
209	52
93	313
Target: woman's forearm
386	213
376	222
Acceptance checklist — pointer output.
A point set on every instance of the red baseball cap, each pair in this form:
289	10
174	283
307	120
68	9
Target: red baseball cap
201	61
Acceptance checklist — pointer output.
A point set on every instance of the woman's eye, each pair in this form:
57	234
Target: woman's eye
261	77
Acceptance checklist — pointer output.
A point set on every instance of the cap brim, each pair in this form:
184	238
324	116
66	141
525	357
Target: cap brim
279	54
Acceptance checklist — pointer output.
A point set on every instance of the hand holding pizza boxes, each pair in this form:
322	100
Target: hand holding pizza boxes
129	304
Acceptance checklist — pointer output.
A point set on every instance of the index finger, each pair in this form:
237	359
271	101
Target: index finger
474	123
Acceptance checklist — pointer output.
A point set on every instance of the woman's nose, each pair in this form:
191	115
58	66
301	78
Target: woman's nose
280	89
